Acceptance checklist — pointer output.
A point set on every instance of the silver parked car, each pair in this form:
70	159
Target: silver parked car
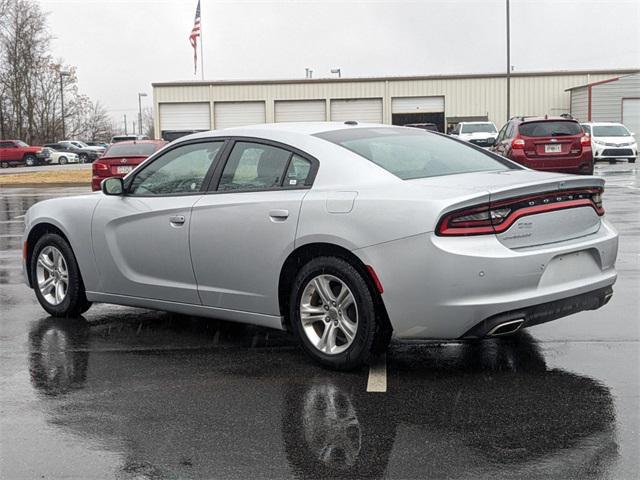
345	234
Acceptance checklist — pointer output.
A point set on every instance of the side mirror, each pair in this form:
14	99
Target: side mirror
491	141
112	186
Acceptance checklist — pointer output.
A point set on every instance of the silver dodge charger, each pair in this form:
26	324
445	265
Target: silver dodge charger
346	234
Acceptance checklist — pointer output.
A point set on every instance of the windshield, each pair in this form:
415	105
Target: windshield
478	128
131	150
81	144
610	131
410	153
558	128
20	143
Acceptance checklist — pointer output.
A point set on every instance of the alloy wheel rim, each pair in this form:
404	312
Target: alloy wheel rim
329	314
53	275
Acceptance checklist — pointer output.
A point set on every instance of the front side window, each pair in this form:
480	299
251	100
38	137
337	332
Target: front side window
409	153
179	171
254	166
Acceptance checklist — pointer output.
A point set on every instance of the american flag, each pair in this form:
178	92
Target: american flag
193	38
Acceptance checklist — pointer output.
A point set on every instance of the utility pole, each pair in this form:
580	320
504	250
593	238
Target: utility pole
140	95
125	124
62	74
508	63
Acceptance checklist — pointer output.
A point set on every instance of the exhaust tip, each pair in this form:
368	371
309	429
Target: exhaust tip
506	328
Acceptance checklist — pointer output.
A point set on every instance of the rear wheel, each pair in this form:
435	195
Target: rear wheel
4	164
612	162
56	277
83	158
632	160
333	314
63	160
30	160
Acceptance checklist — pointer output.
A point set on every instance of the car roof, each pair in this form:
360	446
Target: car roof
472	123
546	118
597	124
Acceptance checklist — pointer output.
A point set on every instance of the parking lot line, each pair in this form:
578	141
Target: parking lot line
378	375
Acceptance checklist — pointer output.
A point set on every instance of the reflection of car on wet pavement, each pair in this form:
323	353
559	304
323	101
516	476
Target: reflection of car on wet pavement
490	407
339	232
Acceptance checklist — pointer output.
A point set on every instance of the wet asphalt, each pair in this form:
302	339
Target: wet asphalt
135	394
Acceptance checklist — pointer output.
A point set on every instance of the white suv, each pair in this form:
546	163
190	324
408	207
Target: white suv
483	134
611	141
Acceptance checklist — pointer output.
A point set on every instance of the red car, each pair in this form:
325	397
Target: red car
121	158
553	144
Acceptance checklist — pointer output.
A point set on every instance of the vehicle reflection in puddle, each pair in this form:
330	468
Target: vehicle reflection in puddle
183	397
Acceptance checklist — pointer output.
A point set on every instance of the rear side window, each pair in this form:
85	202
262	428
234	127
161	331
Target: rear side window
549	129
254	166
410	153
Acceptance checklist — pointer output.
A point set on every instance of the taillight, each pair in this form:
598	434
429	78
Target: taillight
100	167
497	217
517	144
585	141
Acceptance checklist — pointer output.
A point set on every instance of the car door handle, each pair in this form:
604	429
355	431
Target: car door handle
278	215
176	220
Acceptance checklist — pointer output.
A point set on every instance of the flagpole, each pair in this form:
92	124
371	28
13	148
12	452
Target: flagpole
201	42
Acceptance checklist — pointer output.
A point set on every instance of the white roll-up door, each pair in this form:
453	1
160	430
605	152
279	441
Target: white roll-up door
366	110
631	115
417	105
300	111
238	114
184	116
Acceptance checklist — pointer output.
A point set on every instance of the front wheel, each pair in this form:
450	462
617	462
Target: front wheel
4	164
83	158
332	311
632	160
56	279
63	160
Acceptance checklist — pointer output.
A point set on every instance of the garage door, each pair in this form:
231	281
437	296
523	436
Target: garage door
417	105
238	114
184	116
301	111
366	110
631	115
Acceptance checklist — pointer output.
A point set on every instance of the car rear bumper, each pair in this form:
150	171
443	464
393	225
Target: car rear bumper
575	164
440	288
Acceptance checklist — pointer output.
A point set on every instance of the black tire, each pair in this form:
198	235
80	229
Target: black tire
75	301
612	162
62	160
30	161
369	331
83	158
4	164
632	160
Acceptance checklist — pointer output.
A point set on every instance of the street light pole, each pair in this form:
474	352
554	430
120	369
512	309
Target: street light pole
62	74
508	63
140	95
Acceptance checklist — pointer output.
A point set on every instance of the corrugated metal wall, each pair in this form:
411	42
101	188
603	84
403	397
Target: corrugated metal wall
580	103
482	95
606	98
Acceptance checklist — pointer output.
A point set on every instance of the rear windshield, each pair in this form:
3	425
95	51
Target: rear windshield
131	150
410	153
610	131
549	129
478	128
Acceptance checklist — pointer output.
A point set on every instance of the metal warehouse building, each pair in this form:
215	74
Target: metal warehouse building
182	107
612	100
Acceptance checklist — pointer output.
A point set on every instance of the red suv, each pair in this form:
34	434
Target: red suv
553	144
121	158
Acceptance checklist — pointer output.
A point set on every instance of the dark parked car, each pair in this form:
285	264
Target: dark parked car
553	144
121	158
85	154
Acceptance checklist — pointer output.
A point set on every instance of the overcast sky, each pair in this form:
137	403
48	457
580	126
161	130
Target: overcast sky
120	47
